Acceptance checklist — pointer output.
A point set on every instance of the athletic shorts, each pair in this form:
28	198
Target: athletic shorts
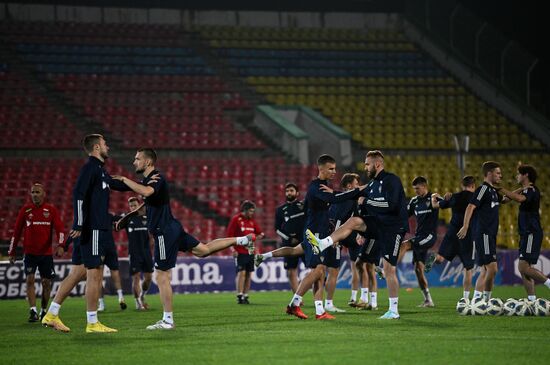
111	256
331	257
388	240
76	258
529	247
139	263
93	247
244	262
370	251
350	243
44	263
168	243
311	259
292	262
486	248
452	246
420	246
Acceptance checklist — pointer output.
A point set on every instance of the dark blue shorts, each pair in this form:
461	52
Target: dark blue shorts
168	243
111	256
390	243
311	259
93	247
331	257
486	248
76	258
420	246
292	262
44	263
370	251
529	247
244	262
139	263
351	244
451	247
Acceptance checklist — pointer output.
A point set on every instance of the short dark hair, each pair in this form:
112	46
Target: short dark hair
324	159
530	171
420	180
489	166
468	180
149	153
90	141
291	185
246	205
375	154
348	179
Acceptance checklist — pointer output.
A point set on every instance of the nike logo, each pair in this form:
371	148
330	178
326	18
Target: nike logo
493	204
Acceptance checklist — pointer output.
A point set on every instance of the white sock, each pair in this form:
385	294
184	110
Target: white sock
296	300
531	298
92	317
393	305
353	295
328	303
167	317
319	307
138	303
101	302
33	309
267	255
365	295
374	299
477	294
325	243
466	294
120	294
242	241
54	308
427	296
487	295
547	283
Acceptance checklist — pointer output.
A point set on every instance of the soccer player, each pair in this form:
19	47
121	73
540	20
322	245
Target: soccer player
451	245
243	224
426	216
139	249
385	217
366	262
289	225
168	233
530	229
36	222
485	202
316	205
92	222
338	214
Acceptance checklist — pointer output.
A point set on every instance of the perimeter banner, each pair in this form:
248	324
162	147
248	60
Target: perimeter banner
217	274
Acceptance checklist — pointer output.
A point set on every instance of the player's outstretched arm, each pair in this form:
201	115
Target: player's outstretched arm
123	221
138	188
513	195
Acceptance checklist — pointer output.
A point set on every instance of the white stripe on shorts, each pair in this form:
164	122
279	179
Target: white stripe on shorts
486	244
95	242
162	248
369	247
425	240
396	247
529	243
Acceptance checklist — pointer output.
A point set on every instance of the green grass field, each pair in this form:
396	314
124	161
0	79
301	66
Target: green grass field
212	329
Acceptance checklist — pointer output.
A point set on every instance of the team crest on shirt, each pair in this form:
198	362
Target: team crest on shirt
46	213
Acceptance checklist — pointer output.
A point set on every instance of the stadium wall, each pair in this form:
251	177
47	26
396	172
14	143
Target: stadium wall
91	14
217	274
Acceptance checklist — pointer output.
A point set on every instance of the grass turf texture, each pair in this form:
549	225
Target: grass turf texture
213	329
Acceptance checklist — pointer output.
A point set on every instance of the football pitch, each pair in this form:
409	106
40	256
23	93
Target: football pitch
213	329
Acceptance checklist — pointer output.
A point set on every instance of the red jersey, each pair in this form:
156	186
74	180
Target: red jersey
37	223
241	226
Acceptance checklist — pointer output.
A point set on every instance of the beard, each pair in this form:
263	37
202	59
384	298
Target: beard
140	170
290	198
371	174
104	155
